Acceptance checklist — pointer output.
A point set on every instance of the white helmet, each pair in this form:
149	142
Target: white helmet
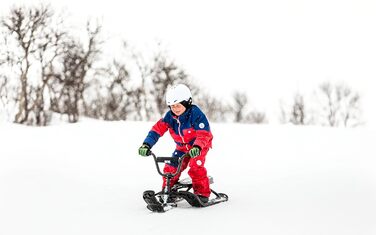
177	94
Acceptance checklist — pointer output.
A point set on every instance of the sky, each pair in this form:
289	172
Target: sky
269	49
86	178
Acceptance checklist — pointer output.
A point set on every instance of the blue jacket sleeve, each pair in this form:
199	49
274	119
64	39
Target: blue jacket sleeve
202	127
156	132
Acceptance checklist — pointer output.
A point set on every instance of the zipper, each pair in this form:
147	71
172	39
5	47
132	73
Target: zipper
180	134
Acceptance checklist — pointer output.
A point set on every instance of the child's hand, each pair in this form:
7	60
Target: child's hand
144	150
194	152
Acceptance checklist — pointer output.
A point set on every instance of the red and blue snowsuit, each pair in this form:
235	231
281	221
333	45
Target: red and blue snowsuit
190	128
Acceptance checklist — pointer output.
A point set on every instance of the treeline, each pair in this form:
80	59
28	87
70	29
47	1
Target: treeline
330	105
45	69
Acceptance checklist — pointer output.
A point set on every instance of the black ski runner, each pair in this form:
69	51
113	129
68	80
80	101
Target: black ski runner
152	203
195	201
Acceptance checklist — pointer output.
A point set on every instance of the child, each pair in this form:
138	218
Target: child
189	128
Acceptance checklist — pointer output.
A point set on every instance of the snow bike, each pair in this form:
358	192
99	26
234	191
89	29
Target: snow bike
169	197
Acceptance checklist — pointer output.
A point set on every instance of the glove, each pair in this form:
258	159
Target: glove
194	152
144	150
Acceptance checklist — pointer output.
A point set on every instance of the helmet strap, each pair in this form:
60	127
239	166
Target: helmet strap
187	103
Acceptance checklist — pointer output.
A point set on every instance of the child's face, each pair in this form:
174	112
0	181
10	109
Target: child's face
177	109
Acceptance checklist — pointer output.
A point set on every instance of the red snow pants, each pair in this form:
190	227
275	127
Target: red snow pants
197	172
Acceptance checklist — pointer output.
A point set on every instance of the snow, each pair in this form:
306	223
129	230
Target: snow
87	178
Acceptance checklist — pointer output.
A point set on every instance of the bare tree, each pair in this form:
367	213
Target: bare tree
114	102
284	112
331	107
77	61
351	115
256	117
241	113
215	109
142	102
164	74
118	104
298	110
3	93
27	29
156	77
49	51
341	105
240	103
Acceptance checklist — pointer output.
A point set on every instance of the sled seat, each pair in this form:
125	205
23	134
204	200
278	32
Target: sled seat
188	180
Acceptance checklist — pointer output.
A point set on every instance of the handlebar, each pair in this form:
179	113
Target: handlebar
167	160
164	159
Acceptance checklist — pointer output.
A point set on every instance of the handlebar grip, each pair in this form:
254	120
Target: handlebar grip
164	159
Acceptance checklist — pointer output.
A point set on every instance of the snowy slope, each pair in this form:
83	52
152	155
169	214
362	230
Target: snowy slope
87	178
